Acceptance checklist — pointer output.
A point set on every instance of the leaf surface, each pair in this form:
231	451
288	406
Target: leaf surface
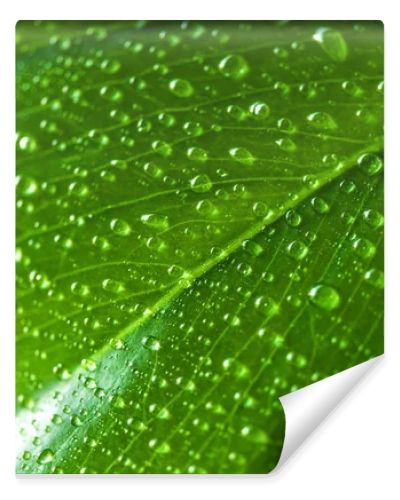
199	231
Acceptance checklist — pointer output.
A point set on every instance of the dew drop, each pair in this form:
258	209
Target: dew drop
293	218
370	163
321	120
151	343
153	170
156	221
297	249
242	155
286	144
260	110
27	144
113	286
373	218
325	297
201	183
333	43
197	154
120	227
78	189
180	87
88	364
266	306
76	421
79	289
375	278
233	66
162	148
319	205
26	186
206	208
252	248
236	112
46	456
364	248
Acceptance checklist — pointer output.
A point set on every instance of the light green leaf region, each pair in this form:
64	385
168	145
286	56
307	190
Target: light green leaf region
199	231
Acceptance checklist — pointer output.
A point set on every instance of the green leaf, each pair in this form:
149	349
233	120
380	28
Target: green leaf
199	231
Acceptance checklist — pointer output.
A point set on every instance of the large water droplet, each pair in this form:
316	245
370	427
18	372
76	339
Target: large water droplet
46	456
370	163
321	120
120	227
242	155
333	43
201	183
197	154
180	87
297	249
155	220
234	67
325	297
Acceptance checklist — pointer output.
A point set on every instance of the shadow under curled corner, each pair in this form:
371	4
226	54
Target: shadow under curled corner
308	407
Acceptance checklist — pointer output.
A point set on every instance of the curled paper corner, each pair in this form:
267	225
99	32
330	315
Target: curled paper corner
308	407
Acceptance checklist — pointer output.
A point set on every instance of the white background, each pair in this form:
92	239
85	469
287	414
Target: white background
355	453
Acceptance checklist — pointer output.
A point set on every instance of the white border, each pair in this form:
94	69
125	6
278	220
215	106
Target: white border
355	453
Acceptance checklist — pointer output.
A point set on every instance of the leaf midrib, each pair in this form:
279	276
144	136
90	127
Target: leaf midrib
231	247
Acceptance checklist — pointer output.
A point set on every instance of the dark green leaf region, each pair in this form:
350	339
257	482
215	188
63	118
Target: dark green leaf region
199	232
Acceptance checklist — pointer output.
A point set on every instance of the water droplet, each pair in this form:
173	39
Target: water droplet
117	343
153	170
155	220
352	89
347	186
373	218
88	364
79	289
110	66
286	125
261	209
46	456
167	119
375	278
78	189
293	218
197	154
242	155
364	248
113	286
76	421
286	144
244	269
297	249
321	120
201	183
162	148
236	112
252	248
206	208
333	43
193	128
319	205
325	297
151	343
155	243
260	110
26	186
120	227
27	144
233	66
266	306
180	87
370	163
